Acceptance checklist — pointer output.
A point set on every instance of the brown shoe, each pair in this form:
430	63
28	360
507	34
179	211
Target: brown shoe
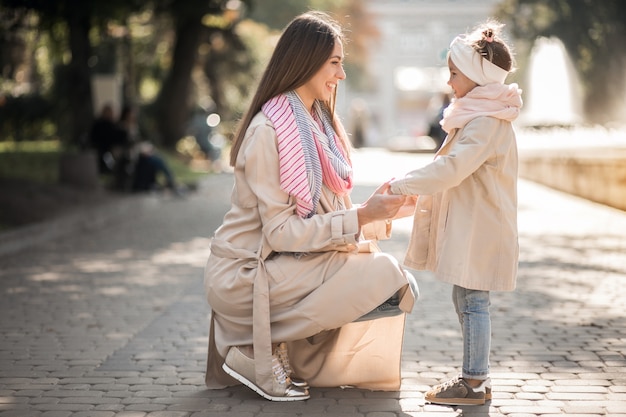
241	367
458	392
283	357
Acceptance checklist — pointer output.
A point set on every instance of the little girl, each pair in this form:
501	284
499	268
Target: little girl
465	224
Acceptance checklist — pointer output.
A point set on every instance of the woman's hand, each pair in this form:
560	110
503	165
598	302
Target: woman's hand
382	206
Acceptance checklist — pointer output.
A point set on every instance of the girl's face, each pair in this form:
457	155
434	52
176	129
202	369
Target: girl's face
461	85
323	84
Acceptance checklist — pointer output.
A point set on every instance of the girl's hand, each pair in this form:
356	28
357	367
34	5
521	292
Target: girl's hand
408	208
380	206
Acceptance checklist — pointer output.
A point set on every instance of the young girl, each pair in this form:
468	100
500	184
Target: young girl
290	270
465	224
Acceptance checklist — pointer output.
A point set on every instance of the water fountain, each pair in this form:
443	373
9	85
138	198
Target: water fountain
552	95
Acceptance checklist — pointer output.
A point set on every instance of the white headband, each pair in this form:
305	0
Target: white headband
472	65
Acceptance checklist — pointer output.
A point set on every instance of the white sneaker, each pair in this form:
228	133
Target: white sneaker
241	367
283	356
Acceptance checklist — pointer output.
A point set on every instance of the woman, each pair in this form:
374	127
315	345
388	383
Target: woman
290	267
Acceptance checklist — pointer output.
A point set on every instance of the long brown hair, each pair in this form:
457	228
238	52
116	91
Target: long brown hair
304	46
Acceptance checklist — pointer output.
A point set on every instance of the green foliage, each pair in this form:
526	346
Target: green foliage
136	39
26	117
593	32
278	13
243	66
351	15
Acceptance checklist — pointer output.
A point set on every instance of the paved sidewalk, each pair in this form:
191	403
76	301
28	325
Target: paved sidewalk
111	320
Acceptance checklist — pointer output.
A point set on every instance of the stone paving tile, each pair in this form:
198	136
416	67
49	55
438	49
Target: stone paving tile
113	322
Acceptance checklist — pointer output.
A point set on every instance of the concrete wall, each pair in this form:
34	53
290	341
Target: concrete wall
595	174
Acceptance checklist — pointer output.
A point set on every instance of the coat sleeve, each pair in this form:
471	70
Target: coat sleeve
377	230
283	229
471	150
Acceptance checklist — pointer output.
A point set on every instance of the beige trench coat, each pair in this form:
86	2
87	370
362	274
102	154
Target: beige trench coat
465	224
273	276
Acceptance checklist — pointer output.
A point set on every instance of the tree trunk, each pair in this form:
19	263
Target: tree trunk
79	94
215	81
172	103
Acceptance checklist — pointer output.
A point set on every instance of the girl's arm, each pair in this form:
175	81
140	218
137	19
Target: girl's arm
468	154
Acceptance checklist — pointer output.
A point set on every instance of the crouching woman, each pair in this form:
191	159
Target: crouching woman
300	294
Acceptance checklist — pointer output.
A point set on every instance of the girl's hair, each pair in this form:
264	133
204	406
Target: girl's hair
488	42
304	46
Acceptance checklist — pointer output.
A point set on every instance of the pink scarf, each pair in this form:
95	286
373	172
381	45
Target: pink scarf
497	100
307	155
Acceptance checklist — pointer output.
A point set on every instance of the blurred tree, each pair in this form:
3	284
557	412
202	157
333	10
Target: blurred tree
594	34
71	21
172	106
74	26
276	14
161	47
13	49
361	32
230	61
232	47
191	20
352	15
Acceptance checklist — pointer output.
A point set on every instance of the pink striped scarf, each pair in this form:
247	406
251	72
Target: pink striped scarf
308	157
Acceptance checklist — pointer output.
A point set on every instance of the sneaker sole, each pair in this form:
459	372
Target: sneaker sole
455	401
435	400
300	384
257	389
384	310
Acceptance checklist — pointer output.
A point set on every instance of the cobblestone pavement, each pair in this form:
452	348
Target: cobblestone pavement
110	320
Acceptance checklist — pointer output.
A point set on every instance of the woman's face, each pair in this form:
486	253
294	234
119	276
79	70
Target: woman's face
323	84
461	85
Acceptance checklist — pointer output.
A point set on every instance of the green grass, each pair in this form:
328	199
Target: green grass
32	161
183	174
38	161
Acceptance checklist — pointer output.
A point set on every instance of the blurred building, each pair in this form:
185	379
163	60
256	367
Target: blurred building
408	69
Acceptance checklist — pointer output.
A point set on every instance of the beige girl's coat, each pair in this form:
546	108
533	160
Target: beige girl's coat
304	280
465	225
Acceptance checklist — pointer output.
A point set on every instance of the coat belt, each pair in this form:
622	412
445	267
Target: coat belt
261	328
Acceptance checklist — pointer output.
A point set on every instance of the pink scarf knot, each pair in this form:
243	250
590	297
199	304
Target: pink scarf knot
501	101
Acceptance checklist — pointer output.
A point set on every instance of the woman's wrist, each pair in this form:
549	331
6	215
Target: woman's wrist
362	217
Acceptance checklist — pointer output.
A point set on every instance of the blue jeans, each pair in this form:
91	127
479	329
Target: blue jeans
146	170
472	307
